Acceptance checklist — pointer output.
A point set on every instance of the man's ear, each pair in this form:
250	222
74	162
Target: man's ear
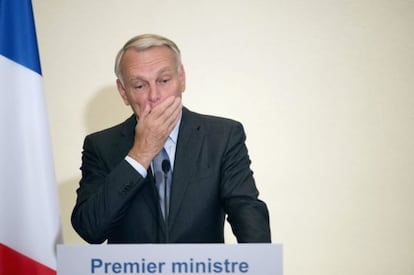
182	78
122	91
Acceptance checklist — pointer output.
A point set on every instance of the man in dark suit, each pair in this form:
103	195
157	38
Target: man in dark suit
118	199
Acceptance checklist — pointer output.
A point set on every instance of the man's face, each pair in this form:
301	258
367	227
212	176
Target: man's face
149	76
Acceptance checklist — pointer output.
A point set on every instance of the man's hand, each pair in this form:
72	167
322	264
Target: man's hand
153	128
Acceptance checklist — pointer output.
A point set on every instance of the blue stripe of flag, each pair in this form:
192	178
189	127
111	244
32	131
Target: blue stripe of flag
18	40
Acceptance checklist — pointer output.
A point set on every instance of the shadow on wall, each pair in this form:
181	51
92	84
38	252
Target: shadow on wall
104	110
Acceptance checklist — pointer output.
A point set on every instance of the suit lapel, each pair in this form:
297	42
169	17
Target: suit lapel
189	143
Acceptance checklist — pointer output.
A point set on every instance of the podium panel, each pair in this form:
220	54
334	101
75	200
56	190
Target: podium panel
169	259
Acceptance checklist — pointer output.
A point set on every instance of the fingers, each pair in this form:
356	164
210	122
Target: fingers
172	113
166	114
153	128
146	111
167	107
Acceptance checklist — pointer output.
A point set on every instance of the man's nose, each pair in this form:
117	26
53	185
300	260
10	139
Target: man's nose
154	94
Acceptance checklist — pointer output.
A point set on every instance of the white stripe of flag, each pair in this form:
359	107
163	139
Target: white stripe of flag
29	211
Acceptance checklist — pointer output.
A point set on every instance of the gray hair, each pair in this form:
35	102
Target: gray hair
143	42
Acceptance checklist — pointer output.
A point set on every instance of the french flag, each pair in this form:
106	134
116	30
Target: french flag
29	210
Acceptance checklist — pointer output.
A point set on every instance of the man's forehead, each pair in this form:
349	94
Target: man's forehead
161	71
161	48
149	56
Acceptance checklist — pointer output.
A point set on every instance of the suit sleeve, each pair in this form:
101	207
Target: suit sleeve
247	215
104	193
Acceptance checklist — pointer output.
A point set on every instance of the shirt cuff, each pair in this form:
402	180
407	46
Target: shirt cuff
137	166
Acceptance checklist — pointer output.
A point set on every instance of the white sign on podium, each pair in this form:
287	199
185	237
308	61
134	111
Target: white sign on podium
170	259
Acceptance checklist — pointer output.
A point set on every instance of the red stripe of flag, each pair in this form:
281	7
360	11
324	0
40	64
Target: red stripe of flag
12	262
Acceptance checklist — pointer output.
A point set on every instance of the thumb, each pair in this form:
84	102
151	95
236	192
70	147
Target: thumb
146	111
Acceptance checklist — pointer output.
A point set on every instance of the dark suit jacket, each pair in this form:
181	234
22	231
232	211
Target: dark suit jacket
211	178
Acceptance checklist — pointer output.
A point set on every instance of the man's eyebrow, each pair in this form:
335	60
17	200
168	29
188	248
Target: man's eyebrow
136	78
165	69
160	72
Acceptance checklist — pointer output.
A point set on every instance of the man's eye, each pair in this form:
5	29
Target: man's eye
165	80
139	87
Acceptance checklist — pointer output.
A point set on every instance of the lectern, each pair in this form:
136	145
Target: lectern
169	259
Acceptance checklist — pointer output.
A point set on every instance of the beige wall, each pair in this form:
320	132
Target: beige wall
323	88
